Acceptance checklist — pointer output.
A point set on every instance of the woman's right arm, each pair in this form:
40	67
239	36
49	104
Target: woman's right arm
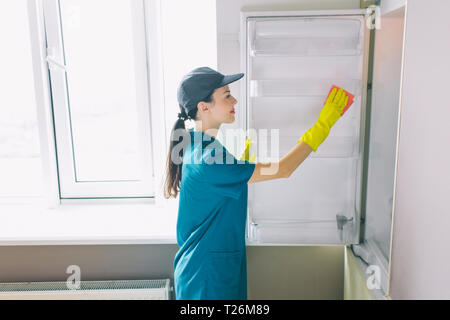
283	168
309	142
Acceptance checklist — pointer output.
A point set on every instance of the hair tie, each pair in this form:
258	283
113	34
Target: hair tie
180	116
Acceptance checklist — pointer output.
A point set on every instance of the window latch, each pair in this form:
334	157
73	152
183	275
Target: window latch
52	62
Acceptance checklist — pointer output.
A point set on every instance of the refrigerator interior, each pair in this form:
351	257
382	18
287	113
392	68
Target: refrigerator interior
291	63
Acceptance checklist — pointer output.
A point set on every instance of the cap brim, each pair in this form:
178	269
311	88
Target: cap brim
230	78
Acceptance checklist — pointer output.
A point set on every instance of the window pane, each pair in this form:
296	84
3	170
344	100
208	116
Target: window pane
102	63
20	163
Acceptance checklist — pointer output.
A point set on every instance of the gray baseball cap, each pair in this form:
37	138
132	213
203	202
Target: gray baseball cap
200	83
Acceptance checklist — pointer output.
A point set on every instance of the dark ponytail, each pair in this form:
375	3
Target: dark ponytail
173	170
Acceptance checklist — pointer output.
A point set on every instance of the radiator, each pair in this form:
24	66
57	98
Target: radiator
88	290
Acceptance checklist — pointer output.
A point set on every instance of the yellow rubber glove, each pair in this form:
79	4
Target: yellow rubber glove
331	112
245	154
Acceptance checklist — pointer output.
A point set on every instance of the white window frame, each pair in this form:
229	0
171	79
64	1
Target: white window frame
60	185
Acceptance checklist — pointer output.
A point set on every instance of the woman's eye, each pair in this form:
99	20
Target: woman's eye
228	96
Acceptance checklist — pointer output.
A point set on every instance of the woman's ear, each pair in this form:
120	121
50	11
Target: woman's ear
203	107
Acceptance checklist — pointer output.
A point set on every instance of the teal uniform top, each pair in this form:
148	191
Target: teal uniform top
211	261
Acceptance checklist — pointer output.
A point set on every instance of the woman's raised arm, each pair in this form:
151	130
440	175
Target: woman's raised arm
310	141
283	168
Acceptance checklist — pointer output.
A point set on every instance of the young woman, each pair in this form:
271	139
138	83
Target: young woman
211	261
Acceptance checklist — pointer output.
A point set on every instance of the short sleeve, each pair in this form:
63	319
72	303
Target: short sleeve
224	173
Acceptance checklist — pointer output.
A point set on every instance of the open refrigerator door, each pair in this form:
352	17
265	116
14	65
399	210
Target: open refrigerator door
291	60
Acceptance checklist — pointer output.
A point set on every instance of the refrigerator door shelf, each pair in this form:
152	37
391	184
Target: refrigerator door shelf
301	87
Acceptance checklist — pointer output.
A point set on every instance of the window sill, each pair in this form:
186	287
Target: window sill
88	224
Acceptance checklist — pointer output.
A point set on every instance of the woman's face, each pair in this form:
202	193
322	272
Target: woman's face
222	110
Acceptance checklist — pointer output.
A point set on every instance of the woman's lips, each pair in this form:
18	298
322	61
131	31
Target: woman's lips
233	111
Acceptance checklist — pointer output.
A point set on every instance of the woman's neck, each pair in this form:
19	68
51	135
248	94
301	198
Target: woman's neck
209	130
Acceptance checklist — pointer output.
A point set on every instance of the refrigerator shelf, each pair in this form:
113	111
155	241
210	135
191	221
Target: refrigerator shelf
330	157
345	127
326	233
332	147
277	47
301	26
300	87
289	222
292	116
284	67
305	36
318	189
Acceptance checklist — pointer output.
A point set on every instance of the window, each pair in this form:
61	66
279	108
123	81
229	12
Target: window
20	154
96	51
85	99
105	96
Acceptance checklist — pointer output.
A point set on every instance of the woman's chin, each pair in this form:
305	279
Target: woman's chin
232	118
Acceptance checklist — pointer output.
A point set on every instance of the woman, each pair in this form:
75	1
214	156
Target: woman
211	261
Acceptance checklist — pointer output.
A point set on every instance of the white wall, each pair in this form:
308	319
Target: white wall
188	41
421	238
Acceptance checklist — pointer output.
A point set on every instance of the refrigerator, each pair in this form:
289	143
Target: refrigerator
291	59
